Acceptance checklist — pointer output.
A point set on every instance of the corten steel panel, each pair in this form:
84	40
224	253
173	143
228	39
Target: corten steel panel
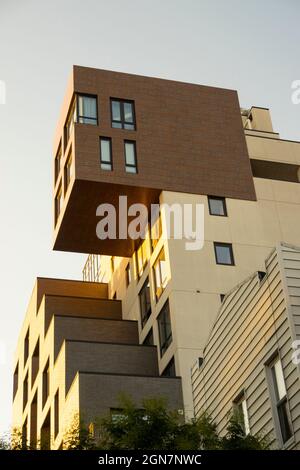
189	138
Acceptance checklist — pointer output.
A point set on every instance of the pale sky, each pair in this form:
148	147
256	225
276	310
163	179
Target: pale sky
253	47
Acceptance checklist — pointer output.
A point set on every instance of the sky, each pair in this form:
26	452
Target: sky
252	47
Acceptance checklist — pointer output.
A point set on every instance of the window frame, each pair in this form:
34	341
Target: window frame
57	162
225	245
78	116
164	345
240	405
122	122
145	315
217	198
130	165
67	171
103	162
163	282
279	403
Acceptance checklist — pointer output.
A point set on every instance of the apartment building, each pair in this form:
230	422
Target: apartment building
247	360
163	142
75	357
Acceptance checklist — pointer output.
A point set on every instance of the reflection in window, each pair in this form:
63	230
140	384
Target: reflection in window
281	399
130	157
156	231
87	109
122	114
224	253
145	303
160	274
105	153
217	206
164	328
142	256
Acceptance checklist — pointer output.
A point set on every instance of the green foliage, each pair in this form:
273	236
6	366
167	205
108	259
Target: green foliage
236	439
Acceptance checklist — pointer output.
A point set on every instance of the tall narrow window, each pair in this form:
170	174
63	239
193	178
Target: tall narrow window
16	380
130	156
58	161
25	391
160	274
58	203
68	170
70	122
164	328
149	340
217	206
224	253
281	402
56	413
128	275
145	303
156	231
87	109
35	362
46	382
240	406
105	153
142	255
122	114
26	347
112	264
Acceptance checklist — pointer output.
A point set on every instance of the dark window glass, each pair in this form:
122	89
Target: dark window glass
26	347
149	340
35	360
224	253
16	380
25	391
170	370
130	157
105	153
46	382
217	206
122	114
58	161
56	413
281	400
145	303
68	171
164	328
128	275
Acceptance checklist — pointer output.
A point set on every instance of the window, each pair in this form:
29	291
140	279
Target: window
24	435
26	347
149	340
164	328
160	274
222	296
46	382
82	110
281	402
87	109
170	370
145	303
56	413
58	162
117	415
142	255
25	391
130	156
156	231
105	153
122	114
217	206
224	253
70	123
16	380
240	406
112	264
35	362
58	203
128	275
68	171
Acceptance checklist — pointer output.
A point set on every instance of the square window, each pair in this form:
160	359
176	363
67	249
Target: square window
217	206
224	253
122	114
